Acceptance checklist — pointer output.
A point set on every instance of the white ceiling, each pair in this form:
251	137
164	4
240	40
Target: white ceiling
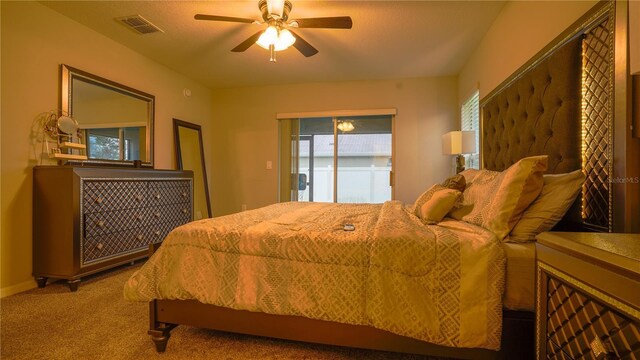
389	39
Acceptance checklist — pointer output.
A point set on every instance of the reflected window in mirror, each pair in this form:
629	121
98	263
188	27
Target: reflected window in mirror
114	143
116	121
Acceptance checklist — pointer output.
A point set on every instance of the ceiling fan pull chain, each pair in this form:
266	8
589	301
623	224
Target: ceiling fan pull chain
272	51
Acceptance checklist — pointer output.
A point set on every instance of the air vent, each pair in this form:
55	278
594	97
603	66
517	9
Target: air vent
139	24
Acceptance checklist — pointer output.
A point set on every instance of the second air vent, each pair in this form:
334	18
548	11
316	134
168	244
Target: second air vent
139	24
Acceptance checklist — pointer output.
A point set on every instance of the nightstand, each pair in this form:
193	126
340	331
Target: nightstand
588	296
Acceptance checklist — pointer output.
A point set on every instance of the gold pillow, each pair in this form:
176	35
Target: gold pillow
496	200
434	204
558	194
456	182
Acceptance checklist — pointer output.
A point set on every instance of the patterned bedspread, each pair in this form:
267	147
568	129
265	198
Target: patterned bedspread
442	284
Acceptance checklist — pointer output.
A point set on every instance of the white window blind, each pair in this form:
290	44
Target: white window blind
470	121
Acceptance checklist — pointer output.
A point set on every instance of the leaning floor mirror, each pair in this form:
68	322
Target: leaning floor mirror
190	156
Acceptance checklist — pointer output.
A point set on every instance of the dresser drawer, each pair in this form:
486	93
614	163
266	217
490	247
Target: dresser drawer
119	232
575	320
588	296
173	215
169	192
102	247
107	195
160	231
108	222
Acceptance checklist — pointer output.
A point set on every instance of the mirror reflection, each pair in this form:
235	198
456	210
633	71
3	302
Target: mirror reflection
190	156
115	121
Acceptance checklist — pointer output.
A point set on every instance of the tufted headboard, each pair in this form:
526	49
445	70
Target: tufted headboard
537	113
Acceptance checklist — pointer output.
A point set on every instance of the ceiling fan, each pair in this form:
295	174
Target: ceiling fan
278	34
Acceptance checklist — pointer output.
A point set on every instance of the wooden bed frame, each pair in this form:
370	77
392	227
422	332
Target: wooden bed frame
518	330
499	132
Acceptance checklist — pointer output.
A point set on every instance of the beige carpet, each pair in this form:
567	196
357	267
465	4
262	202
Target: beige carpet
97	323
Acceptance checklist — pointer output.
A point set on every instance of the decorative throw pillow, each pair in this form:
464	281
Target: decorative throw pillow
558	194
457	182
496	200
435	203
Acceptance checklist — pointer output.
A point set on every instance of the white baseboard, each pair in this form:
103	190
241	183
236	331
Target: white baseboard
18	288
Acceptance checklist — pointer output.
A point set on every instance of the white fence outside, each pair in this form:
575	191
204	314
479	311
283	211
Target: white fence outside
355	184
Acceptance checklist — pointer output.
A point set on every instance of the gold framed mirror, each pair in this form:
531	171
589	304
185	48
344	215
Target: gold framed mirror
115	121
190	156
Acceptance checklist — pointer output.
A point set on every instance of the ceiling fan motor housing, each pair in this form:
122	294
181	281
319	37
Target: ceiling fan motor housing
264	9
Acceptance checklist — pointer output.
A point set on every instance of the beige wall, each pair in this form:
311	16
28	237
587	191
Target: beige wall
35	40
521	30
245	134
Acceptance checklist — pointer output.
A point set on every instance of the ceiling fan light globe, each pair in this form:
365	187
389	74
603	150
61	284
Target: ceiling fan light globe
268	37
281	40
285	39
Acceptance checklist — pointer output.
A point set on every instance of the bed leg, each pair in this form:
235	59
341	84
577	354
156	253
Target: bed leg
161	336
159	331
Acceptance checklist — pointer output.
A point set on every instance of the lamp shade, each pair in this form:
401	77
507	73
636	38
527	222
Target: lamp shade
459	142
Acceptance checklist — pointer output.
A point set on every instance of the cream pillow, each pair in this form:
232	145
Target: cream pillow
434	204
496	200
469	175
475	192
558	194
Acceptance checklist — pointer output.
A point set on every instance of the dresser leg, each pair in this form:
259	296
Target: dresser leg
42	281
73	284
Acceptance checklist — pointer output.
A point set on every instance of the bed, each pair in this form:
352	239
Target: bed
351	293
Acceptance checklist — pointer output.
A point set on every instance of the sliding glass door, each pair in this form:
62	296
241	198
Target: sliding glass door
359	147
364	159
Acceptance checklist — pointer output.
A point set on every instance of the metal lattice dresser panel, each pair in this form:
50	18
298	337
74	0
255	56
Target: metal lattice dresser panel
574	320
597	130
107	222
106	195
122	216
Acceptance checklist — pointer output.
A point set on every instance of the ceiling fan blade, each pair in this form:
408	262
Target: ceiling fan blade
339	22
304	47
223	18
247	43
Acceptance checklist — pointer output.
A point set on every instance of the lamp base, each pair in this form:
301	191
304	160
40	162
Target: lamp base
460	162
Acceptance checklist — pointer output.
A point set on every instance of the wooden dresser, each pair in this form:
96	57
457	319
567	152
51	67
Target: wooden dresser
88	219
588	296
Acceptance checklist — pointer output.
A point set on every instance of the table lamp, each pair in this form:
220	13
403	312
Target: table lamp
458	143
